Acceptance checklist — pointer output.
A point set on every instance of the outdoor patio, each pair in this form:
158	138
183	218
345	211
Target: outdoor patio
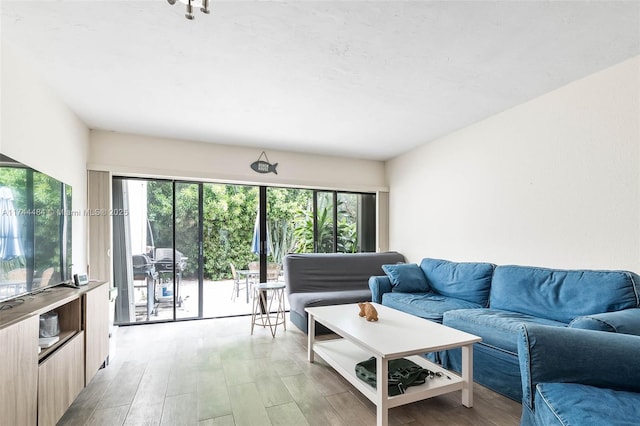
217	302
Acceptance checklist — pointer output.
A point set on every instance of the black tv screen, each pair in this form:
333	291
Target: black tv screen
35	230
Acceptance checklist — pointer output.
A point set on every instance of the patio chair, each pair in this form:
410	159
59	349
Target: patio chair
238	282
273	271
273	274
255	277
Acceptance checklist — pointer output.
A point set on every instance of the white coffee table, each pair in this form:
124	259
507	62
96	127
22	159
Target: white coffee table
395	335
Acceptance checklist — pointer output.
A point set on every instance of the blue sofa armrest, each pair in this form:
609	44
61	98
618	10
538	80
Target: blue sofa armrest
379	285
626	321
550	354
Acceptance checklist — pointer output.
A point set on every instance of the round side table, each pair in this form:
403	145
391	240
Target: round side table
262	306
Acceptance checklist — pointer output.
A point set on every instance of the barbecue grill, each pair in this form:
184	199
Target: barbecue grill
165	262
143	267
145	270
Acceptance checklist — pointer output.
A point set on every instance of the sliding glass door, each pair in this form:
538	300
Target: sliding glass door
230	257
157	266
192	250
145	286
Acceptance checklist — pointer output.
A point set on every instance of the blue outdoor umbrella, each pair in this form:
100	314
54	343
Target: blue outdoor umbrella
10	243
255	243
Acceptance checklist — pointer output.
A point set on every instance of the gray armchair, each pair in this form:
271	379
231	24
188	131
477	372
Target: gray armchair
321	279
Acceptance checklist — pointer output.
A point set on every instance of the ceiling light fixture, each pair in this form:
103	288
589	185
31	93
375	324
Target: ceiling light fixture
189	4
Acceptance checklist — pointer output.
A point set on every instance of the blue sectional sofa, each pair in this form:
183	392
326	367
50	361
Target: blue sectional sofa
494	301
578	377
433	288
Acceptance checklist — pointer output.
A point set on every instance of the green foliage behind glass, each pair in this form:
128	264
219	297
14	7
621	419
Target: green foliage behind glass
229	218
229	215
347	234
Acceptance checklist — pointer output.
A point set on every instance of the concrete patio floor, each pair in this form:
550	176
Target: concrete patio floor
217	302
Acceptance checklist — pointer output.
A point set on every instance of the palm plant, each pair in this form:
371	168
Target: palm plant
281	239
347	234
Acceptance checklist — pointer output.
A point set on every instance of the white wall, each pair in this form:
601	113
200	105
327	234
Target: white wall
134	155
145	156
553	182
37	129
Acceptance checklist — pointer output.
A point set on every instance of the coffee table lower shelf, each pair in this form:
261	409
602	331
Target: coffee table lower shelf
343	355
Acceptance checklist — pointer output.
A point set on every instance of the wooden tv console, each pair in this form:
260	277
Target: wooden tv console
37	388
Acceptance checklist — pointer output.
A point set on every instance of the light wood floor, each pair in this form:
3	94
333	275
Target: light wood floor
212	372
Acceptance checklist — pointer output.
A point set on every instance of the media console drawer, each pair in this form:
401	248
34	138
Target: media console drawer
19	369
60	380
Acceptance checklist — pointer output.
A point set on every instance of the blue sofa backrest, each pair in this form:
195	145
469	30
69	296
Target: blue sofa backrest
470	281
561	295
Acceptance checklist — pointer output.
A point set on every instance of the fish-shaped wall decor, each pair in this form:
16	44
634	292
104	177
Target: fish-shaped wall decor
264	166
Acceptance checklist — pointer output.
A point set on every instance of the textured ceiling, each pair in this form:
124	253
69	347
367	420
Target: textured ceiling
367	79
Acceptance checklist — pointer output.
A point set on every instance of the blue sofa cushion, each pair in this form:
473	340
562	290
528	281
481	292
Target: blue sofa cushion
626	321
430	306
463	280
577	404
561	295
406	278
498	328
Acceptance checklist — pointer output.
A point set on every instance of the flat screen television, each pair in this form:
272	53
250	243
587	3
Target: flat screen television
35	230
